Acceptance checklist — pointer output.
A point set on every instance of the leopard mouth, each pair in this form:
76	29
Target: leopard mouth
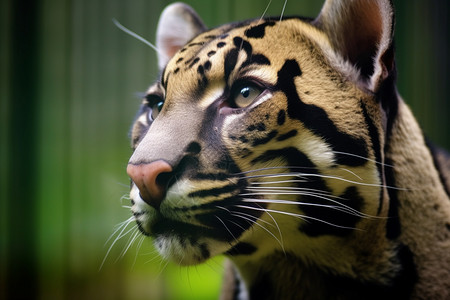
184	243
189	237
160	225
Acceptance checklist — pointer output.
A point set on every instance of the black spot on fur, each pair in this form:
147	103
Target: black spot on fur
201	70
203	81
207	65
204	251
193	148
196	44
179	60
196	60
176	71
243	139
259	126
230	62
287	135
281	117
257	59
211	53
243	44
258	31
317	120
221	44
266	139
242	249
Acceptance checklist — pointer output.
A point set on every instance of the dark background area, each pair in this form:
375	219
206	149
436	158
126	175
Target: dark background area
68	85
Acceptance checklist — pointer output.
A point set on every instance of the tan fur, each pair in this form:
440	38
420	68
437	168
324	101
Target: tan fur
424	207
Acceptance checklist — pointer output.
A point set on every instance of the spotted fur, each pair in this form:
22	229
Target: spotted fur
284	145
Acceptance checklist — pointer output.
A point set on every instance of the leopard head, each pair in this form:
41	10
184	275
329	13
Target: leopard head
265	135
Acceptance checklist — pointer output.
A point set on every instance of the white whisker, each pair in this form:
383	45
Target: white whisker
351	172
121	227
265	11
282	11
278	227
310	175
340	207
364	158
226	227
130	242
136	36
138	248
298	216
246	217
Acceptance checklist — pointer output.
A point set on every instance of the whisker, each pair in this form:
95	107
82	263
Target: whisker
138	37
265	11
278	182
245	217
272	168
226	227
130	242
351	172
122	226
292	192
340	207
276	224
155	256
307	175
253	217
138	248
282	11
302	217
289	188
364	158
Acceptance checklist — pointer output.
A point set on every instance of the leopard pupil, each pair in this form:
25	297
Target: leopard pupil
159	106
245	92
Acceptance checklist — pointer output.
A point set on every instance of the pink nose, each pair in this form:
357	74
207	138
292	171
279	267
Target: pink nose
152	187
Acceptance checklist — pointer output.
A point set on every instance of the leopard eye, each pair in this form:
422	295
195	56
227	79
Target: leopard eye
155	103
156	109
244	96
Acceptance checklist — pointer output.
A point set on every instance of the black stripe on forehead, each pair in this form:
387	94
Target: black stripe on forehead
258	31
232	57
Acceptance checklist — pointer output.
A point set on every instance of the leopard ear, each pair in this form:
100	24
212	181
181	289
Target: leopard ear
362	32
178	24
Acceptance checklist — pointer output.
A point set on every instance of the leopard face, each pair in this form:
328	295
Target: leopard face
252	154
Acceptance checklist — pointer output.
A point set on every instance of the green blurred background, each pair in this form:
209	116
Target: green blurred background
68	85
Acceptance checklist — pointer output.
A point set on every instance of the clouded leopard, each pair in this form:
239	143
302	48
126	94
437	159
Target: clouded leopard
283	144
